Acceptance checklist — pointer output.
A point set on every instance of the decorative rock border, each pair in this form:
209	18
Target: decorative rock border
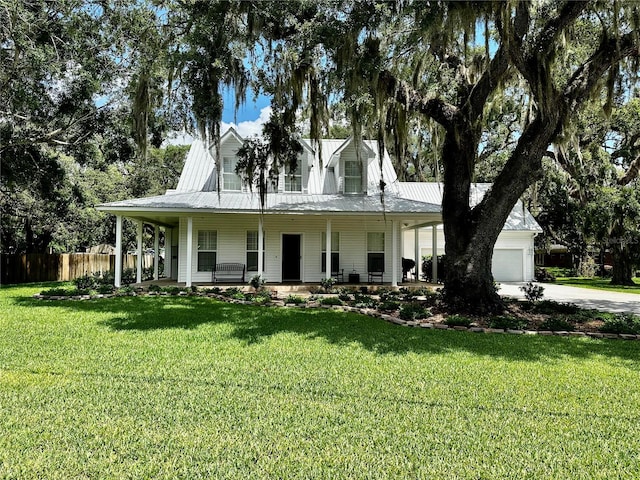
345	308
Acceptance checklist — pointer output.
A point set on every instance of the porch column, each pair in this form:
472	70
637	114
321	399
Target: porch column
189	250
156	252
139	256
167	251
260	246
434	253
118	268
416	241
327	260
394	254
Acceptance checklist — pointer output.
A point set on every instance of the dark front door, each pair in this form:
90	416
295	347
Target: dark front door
290	258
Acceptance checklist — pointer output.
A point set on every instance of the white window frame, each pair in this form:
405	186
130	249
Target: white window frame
348	178
209	248
230	179
253	250
294	178
335	248
370	251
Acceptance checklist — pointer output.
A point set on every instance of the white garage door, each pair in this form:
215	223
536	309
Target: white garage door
507	265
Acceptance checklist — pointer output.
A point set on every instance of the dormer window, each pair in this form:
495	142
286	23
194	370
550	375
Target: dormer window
293	178
230	179
352	177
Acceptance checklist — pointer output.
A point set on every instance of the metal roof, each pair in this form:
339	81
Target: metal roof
431	192
276	203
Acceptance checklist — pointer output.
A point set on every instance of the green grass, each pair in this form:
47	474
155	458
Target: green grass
598	284
172	387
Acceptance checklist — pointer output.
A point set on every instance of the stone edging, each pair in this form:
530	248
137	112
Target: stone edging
363	311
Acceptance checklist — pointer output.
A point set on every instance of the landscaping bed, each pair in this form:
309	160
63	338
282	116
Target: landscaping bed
421	307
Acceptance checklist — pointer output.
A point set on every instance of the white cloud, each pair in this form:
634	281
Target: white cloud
249	128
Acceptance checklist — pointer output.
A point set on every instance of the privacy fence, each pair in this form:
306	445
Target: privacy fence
45	267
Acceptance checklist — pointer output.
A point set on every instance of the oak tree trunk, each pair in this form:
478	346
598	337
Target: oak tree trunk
622	266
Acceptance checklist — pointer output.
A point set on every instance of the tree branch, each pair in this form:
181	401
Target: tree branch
442	112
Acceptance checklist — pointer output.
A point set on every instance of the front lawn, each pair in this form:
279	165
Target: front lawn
598	283
189	387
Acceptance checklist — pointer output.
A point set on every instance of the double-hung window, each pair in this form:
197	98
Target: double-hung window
352	176
230	179
207	250
293	178
335	252
252	251
375	251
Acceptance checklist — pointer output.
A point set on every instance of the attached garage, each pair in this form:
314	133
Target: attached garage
507	265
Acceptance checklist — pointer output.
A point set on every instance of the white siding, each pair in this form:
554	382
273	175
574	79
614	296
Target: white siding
232	243
522	242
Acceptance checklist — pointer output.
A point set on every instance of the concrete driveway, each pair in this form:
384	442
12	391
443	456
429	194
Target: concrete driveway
583	297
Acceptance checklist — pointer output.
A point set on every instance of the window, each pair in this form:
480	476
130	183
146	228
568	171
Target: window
352	177
335	252
375	251
252	251
293	178
207	250
230	179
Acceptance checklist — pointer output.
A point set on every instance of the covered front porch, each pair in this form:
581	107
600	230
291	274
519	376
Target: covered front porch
364	250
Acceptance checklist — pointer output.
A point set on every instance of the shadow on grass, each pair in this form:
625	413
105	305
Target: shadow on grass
256	324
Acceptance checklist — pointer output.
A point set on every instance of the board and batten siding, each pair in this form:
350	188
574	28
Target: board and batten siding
231	245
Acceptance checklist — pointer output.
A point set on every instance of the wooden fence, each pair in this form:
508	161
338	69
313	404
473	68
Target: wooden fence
45	267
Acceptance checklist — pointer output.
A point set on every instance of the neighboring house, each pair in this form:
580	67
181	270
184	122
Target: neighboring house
330	203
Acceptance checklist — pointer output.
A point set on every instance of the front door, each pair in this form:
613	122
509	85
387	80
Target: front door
291	258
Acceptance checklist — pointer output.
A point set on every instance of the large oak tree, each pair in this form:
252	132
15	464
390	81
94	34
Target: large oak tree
447	63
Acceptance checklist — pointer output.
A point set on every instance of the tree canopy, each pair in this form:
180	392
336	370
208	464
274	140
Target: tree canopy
447	86
441	70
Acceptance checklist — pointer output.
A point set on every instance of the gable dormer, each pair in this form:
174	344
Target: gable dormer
297	181
351	172
230	143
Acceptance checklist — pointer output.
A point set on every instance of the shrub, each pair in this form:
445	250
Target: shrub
557	324
105	288
327	284
295	299
55	292
172	290
364	301
128	276
507	323
412	311
331	301
544	275
532	292
262	299
389	306
622	323
104	278
154	288
126	290
231	291
458	321
345	297
86	282
388	295
256	282
549	307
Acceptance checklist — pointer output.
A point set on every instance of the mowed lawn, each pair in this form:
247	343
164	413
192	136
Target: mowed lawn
193	388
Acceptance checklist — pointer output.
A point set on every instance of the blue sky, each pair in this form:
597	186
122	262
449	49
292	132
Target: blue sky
250	111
